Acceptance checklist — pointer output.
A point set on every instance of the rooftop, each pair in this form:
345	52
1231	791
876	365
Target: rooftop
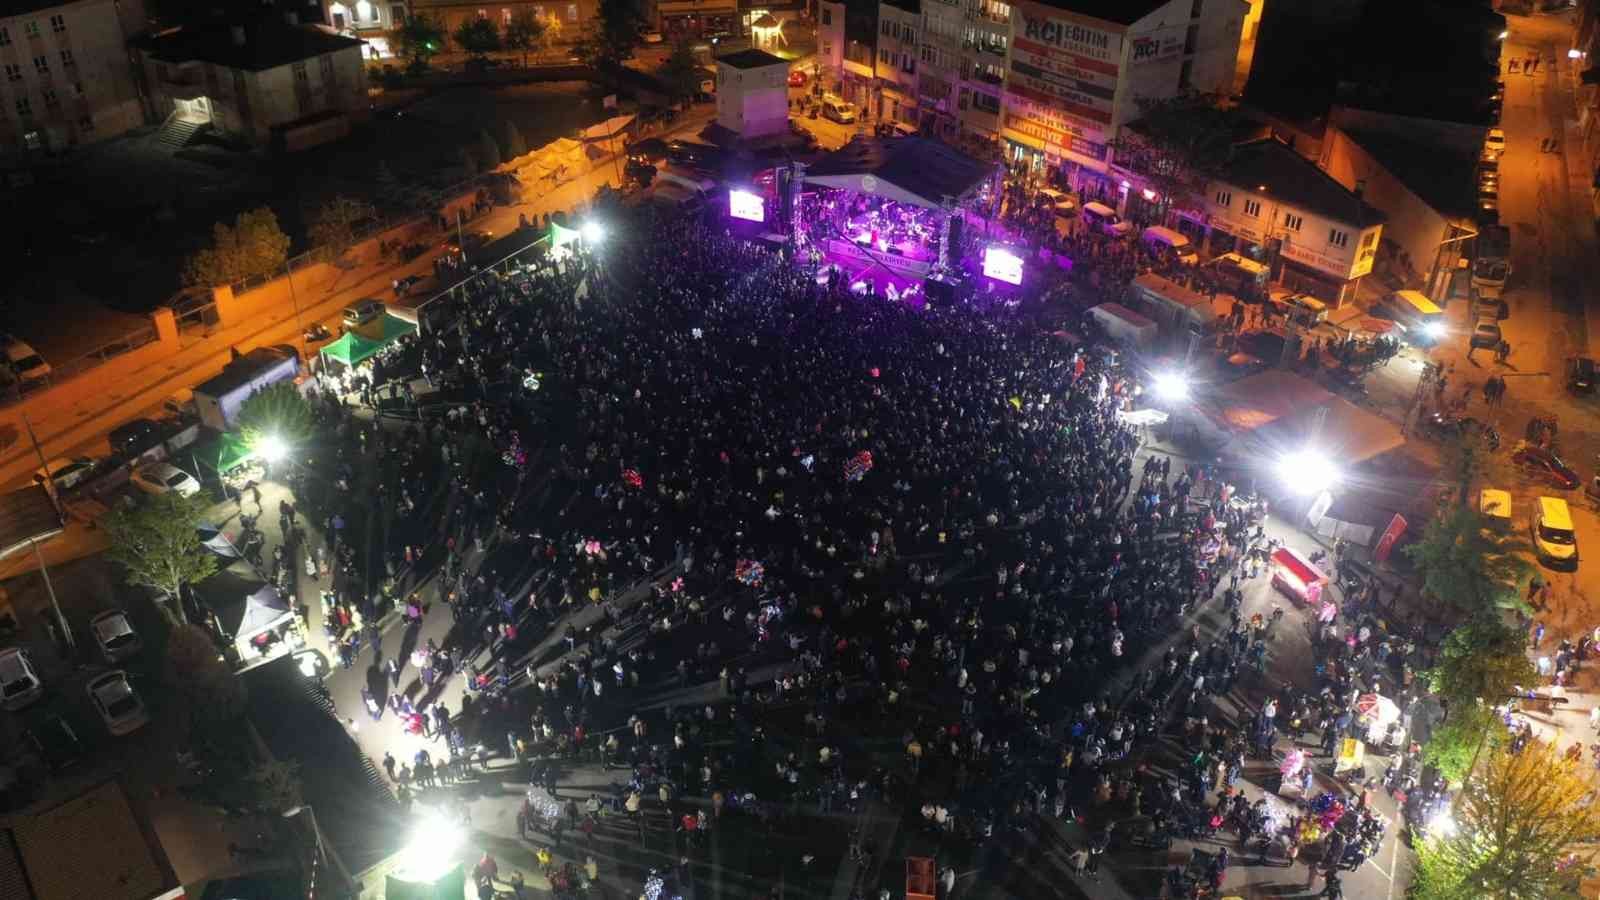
752	59
1290	177
924	171
1442	179
42	855
1122	12
255	46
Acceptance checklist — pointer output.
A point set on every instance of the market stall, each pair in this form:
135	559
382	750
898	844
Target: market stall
1297	576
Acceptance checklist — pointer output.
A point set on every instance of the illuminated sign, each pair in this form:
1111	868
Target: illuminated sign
746	205
1001	264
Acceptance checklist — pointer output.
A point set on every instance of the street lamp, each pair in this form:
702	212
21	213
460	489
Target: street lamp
1172	387
272	448
434	841
1307	472
593	232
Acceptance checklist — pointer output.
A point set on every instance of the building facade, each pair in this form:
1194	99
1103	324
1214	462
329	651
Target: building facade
277	85
1079	70
67	79
1275	206
753	94
566	20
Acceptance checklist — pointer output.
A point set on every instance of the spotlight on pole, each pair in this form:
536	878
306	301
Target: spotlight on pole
593	232
1172	387
1308	472
272	448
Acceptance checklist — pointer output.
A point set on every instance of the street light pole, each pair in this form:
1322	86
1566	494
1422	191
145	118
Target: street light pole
61	620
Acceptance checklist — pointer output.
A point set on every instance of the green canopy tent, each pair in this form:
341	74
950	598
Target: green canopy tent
352	348
224	453
560	236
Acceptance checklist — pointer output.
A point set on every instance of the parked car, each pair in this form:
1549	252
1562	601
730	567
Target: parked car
65	473
134	437
1550	527
25	361
1580	374
797	78
649	150
1545	466
19	681
362	311
115	636
119	707
1485	334
158	478
1495	142
688	153
55	742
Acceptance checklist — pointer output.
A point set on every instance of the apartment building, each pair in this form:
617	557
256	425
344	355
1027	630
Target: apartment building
67	80
368	20
275	84
1274	205
570	17
895	67
1079	70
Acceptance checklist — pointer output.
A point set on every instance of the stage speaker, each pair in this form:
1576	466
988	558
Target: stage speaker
957	223
944	290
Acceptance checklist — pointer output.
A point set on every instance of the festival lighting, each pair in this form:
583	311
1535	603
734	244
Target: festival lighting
431	850
1172	387
593	232
272	448
1001	264
1308	472
743	204
1433	330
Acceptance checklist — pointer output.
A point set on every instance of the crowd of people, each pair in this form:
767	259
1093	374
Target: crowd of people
779	525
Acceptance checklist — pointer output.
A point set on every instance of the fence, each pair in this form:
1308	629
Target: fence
127	343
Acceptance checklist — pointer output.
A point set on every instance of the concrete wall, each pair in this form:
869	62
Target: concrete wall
1413	226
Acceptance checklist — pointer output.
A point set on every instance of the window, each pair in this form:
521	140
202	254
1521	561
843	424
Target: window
325	67
572	12
883	57
51	101
483	14
31	29
927	53
58	24
397	15
1224	198
1338	238
41	64
5	37
1252	208
827	16
1370	239
24	107
300	77
505	15
13	72
66	59
983	101
1292	221
908	64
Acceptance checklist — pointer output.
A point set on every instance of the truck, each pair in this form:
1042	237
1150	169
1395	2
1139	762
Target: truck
217	401
1491	263
1124	325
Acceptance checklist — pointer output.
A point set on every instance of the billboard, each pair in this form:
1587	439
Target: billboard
745	205
1161	45
1001	264
1065	62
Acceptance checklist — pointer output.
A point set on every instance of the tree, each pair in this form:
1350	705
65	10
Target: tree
1521	827
1483	659
1465	457
478	36
515	145
156	545
617	33
253	246
468	164
488	150
1177	144
1469	566
196	671
524	32
1456	742
420	38
681	72
276	411
333	228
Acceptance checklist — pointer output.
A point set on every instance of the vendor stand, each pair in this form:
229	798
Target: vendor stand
1297	576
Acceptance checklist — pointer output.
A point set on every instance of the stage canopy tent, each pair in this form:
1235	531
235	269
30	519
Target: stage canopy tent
353	348
910	170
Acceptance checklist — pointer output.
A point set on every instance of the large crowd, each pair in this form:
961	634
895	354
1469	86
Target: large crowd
856	525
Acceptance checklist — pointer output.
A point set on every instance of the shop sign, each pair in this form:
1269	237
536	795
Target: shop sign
1315	260
1164	45
1066	62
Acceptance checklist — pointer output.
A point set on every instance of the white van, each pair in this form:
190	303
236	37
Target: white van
1242	274
1156	236
838	110
1105	219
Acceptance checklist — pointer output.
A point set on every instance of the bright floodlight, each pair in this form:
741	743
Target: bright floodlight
1433	330
272	448
1308	472
1171	386
433	844
593	232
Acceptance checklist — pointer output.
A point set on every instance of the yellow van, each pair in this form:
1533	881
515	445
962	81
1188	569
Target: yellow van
1551	527
1495	505
1244	275
1413	311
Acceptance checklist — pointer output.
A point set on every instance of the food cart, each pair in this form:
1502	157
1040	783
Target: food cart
1297	576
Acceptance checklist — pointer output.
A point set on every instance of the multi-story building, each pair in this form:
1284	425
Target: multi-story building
276	84
1274	205
66	78
939	68
695	18
985	45
369	20
570	18
1080	69
895	68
